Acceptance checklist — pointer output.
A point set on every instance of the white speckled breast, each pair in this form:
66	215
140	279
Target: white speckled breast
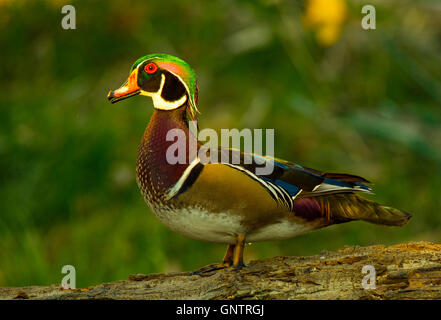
201	225
223	228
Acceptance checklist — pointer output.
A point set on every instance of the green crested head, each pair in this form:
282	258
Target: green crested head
168	80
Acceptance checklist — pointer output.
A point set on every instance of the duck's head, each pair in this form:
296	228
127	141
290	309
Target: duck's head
168	80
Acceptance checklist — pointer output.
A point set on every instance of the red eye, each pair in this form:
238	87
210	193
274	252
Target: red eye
150	68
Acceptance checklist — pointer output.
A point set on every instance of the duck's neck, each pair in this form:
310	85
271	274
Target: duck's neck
156	170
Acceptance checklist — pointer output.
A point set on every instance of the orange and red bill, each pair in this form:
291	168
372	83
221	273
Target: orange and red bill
128	89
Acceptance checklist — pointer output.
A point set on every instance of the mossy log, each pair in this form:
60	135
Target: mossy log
404	271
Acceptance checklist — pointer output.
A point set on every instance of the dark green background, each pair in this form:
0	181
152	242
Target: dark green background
369	105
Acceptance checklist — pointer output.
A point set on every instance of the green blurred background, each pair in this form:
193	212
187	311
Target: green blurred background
340	98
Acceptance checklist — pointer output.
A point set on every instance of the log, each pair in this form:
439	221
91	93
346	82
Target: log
403	271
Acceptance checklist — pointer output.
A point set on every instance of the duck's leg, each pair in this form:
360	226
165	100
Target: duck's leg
226	262
228	258
238	255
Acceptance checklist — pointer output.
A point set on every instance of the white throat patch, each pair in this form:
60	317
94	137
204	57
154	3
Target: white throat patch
159	102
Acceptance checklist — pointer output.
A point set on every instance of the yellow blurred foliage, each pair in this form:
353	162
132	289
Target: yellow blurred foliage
5	2
326	17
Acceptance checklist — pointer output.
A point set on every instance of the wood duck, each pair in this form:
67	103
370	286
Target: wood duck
229	203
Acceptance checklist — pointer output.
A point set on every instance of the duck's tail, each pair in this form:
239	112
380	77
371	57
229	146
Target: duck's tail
352	206
343	207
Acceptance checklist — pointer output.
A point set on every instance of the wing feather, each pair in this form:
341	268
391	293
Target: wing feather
292	179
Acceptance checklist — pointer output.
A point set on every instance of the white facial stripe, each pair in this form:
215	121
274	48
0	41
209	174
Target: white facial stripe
183	83
159	102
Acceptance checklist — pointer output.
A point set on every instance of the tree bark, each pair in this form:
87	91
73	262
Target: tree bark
404	271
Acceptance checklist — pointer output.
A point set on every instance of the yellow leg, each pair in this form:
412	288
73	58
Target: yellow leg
233	258
226	262
238	255
229	255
